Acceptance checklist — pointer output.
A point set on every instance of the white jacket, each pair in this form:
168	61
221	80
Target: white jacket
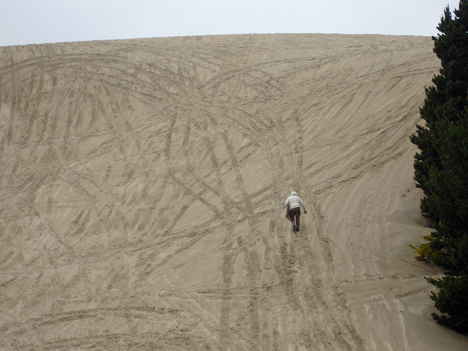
294	201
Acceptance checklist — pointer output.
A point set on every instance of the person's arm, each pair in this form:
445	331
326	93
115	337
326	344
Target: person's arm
302	204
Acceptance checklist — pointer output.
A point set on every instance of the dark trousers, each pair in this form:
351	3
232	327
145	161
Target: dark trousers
295	215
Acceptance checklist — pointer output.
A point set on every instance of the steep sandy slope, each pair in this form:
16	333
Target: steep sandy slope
142	186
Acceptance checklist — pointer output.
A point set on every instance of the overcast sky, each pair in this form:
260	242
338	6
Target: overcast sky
51	21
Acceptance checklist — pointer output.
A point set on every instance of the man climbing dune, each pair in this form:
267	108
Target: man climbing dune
293	210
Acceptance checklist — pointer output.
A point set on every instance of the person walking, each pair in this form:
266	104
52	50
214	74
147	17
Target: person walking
293	210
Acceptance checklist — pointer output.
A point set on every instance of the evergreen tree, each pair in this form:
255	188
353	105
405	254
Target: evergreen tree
441	166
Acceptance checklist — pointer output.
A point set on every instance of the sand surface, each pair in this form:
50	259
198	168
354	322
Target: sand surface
142	185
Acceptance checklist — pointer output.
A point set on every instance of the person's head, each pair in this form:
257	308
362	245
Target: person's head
293	193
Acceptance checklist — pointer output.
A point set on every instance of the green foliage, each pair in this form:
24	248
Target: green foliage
441	167
452	299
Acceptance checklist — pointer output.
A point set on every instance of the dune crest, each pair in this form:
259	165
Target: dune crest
143	184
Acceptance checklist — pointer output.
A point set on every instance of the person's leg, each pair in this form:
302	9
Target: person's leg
292	215
298	218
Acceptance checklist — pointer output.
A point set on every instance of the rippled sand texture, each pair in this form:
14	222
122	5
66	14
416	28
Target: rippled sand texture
142	185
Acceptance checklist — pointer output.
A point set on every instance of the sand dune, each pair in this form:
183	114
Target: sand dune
143	184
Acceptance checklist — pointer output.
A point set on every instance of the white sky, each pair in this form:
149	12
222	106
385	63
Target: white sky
50	21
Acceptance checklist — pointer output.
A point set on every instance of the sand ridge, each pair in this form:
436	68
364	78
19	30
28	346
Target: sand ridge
143	183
